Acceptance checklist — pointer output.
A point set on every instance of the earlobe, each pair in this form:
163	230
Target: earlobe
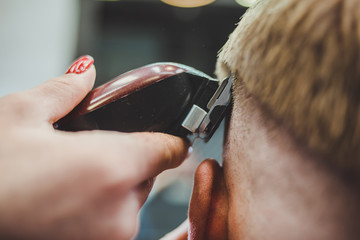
209	203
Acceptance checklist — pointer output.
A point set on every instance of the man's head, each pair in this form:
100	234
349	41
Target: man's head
294	129
301	61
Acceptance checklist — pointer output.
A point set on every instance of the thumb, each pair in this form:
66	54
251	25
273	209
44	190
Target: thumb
60	95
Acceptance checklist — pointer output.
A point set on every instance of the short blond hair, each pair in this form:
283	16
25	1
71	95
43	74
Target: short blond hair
301	60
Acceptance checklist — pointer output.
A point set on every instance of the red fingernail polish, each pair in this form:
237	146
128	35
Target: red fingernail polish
81	65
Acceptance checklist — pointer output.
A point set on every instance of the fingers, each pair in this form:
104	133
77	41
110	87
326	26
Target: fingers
143	190
123	163
129	158
153	153
57	97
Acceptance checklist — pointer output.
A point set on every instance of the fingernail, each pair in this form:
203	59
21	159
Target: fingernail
81	65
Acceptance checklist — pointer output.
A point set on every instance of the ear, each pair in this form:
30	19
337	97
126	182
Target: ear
209	203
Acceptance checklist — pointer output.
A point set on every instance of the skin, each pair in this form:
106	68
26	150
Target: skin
284	191
268	188
63	185
91	185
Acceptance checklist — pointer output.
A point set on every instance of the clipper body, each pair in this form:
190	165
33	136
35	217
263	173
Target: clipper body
161	97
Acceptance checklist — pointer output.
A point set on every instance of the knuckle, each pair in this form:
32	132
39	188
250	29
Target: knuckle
168	155
160	151
60	87
169	152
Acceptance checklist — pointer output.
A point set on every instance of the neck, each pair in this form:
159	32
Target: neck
288	193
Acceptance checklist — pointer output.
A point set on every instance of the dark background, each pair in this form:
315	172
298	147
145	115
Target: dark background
124	35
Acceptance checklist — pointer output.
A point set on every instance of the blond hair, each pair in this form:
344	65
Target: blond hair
301	60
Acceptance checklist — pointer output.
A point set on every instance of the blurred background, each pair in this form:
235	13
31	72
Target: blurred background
41	38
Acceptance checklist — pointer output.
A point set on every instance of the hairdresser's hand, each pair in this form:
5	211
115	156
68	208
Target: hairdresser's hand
63	185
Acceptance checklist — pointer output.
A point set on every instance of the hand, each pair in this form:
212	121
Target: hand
65	185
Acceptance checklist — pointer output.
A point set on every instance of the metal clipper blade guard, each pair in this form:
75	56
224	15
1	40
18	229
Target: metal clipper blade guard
161	97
